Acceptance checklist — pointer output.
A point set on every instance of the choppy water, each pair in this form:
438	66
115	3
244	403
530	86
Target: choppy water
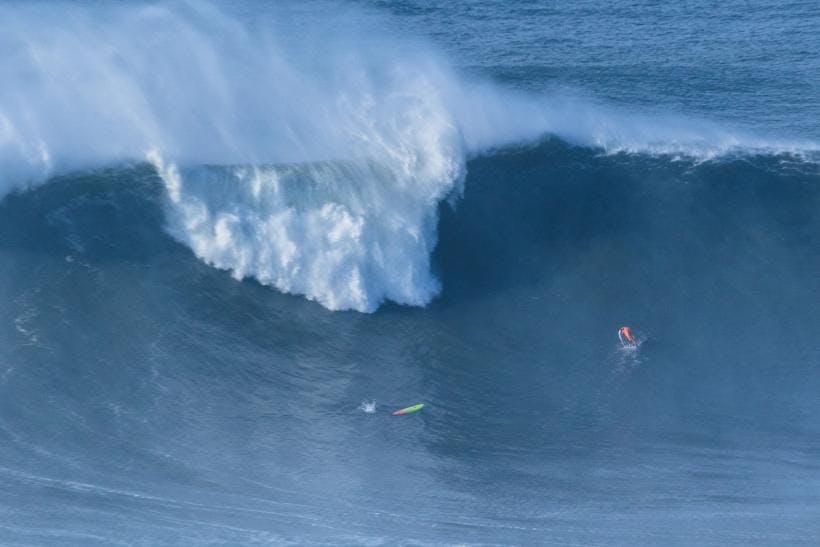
226	230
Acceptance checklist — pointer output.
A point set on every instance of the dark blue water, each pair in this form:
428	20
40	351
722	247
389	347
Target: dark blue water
224	230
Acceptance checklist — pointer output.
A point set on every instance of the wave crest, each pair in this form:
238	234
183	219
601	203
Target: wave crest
315	166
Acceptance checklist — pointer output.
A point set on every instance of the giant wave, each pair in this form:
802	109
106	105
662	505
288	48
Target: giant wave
317	169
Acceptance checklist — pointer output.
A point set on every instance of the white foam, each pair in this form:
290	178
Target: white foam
346	234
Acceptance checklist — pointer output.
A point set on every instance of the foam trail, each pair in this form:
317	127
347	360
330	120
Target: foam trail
313	167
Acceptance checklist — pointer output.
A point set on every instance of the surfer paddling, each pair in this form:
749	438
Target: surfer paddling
626	337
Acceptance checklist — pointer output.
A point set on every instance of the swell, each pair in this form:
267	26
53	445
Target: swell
527	213
315	167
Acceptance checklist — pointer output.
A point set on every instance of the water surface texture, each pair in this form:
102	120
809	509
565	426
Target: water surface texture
235	238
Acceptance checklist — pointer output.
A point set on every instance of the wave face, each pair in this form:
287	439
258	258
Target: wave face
328	158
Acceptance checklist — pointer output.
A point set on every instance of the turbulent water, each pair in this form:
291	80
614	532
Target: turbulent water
234	238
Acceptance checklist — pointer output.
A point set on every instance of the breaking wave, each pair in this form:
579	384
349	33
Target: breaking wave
314	167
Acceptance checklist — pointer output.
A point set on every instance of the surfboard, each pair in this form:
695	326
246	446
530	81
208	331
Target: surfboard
409	410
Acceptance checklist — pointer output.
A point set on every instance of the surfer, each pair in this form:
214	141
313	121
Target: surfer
626	337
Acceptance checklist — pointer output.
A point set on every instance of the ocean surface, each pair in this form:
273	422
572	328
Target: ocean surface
235	237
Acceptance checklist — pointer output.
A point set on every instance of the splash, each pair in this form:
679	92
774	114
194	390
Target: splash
346	234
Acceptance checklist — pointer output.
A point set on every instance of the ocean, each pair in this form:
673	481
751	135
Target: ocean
235	237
